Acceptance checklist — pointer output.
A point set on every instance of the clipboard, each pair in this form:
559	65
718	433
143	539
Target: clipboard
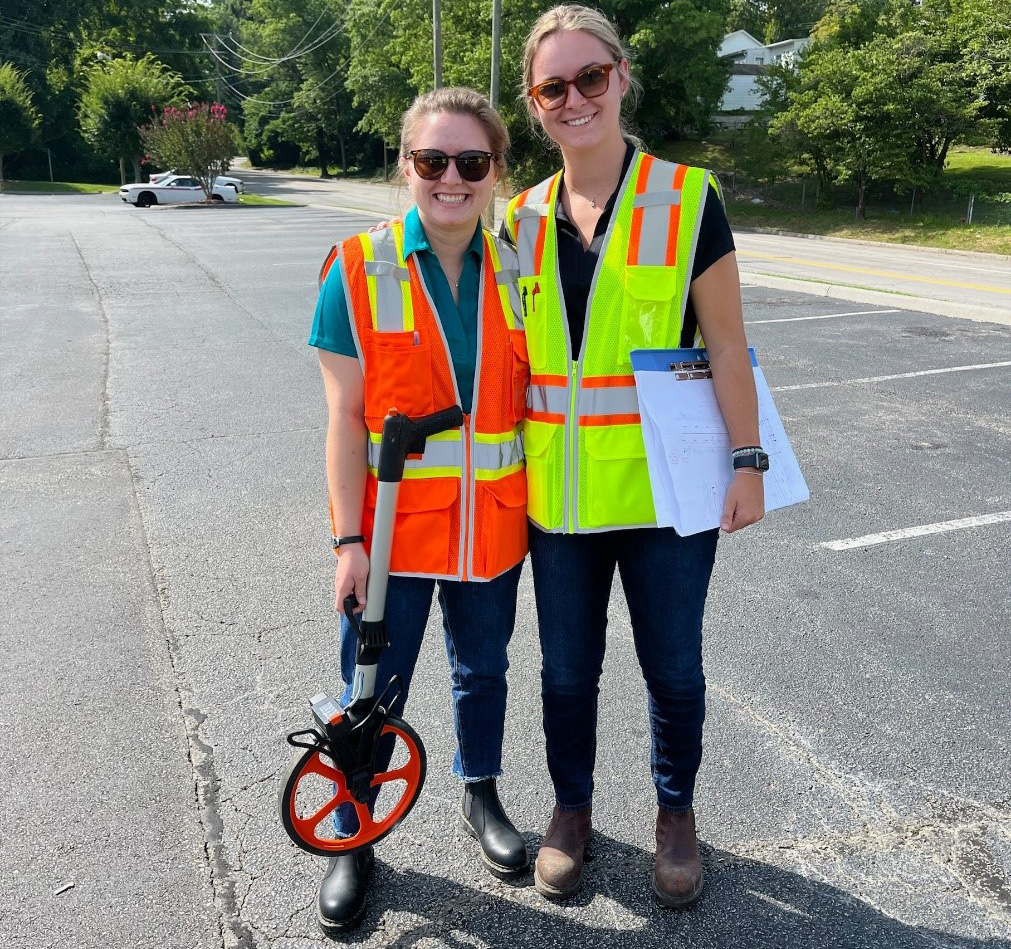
688	450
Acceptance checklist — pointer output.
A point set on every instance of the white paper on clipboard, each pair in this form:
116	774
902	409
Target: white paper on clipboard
688	450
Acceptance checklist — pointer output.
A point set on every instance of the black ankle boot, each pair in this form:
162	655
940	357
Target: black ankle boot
503	850
343	892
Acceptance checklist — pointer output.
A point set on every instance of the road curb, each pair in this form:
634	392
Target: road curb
903	301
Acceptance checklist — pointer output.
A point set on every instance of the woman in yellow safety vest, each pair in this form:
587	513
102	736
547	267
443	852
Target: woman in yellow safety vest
618	251
422	316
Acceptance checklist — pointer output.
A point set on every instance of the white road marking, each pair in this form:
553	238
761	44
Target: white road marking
900	375
825	316
869	540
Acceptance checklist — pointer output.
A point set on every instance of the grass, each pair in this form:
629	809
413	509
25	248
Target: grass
965	165
55	187
259	200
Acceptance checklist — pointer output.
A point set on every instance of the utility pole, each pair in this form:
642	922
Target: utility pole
437	41
217	69
496	63
496	50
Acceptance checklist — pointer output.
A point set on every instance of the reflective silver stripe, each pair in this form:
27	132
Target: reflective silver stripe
387	275
619	400
526	233
651	198
507	276
383	268
553	399
539	209
697	225
438	454
491	457
656	215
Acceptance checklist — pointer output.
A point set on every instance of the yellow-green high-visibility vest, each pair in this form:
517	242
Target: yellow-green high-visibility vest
586	461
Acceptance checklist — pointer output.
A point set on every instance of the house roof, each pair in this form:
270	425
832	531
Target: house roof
746	69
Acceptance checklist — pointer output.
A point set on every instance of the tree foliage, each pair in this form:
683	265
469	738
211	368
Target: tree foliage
196	140
19	119
119	99
884	91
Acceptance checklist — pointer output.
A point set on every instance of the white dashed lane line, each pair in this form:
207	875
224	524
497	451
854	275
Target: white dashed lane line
941	527
898	375
823	316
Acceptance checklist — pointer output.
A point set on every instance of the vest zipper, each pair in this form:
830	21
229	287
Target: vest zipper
572	452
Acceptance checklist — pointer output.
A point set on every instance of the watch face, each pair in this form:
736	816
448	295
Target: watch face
763	461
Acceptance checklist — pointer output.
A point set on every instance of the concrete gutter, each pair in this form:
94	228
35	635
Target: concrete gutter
903	301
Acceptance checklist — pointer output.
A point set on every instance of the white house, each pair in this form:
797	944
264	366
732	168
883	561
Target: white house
749	57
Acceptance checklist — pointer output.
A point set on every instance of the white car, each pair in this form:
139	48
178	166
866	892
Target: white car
177	189
220	180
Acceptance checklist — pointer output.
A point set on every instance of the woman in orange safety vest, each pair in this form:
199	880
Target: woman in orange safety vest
422	316
618	251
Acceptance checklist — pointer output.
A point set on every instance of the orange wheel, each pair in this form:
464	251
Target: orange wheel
314	788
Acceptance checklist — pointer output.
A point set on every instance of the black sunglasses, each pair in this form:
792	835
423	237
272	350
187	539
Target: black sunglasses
591	83
431	164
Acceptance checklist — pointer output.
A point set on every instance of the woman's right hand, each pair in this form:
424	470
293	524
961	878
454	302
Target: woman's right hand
352	576
382	225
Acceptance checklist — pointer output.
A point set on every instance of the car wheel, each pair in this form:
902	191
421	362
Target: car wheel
145	199
217	197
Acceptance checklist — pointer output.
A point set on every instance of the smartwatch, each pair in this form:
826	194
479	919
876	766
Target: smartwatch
753	458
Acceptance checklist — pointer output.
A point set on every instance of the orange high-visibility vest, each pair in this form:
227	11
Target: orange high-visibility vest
461	511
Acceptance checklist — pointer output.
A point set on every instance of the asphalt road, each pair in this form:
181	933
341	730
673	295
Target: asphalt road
948	283
164	601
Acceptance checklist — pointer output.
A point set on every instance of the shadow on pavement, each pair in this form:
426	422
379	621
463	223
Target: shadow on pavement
747	904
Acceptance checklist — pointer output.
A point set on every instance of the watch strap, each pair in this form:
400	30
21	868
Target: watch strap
338	542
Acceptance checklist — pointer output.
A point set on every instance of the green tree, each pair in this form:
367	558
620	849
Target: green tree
119	99
19	119
675	49
196	140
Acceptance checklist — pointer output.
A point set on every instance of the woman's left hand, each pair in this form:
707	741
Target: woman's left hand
745	501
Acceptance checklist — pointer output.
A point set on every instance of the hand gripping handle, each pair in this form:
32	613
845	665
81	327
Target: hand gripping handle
403	436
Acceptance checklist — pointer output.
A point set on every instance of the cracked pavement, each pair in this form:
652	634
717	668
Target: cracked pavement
165	602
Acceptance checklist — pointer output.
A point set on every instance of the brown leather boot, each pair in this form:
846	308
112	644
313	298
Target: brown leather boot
677	873
558	870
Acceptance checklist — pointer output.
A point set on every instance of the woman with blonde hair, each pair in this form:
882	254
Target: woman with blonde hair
422	316
618	251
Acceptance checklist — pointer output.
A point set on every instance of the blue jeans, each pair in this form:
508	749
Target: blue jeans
665	578
477	620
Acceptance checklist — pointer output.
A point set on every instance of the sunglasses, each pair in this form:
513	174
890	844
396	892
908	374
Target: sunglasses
591	83
431	164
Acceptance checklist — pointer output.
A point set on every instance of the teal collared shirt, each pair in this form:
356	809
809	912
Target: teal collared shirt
331	327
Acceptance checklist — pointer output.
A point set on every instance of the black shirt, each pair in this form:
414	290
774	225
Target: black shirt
576	265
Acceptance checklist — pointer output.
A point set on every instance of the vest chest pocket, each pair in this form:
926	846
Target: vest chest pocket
535	320
648	316
398	374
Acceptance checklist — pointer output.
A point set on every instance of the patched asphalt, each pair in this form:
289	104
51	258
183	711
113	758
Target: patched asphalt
166	613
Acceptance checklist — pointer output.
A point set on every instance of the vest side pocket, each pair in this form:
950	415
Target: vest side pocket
615	489
426	535
646	308
500	530
398	374
544	452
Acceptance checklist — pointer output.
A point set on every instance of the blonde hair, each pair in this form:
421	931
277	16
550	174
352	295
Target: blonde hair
457	100
567	18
